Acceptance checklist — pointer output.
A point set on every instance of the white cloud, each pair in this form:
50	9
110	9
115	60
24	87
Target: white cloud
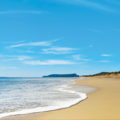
21	58
76	57
21	12
79	57
15	57
49	62
31	44
29	51
43	43
58	50
106	55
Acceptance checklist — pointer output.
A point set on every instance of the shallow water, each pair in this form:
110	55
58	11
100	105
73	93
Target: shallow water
29	95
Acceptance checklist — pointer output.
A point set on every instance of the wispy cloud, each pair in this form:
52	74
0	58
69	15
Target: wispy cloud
44	43
89	3
31	44
106	55
58	50
76	57
22	12
8	67
79	57
29	60
15	57
49	62
23	57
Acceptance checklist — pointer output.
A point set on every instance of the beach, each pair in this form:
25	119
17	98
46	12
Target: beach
102	104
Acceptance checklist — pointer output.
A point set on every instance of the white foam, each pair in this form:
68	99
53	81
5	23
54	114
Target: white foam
57	106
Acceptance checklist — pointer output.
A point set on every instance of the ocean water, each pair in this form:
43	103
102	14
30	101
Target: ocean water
29	95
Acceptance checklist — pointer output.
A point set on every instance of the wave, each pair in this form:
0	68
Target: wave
59	105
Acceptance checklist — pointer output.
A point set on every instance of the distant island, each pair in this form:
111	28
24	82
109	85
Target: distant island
75	75
62	75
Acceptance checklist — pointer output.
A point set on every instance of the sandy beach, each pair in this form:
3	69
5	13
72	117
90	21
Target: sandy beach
102	104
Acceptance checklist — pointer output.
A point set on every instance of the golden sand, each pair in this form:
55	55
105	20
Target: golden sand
103	104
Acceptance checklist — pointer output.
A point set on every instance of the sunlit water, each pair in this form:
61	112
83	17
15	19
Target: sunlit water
28	95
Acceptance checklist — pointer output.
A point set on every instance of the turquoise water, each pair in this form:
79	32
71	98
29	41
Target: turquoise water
27	95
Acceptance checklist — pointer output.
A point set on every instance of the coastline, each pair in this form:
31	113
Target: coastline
69	88
59	106
101	104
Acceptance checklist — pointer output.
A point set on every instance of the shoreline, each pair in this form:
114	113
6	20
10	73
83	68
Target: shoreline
101	104
68	88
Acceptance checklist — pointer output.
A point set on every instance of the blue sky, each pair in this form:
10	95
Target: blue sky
59	36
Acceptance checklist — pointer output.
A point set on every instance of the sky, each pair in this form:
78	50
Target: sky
41	37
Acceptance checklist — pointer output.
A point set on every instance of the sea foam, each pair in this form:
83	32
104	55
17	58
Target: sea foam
57	102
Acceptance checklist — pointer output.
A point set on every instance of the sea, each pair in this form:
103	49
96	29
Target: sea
24	95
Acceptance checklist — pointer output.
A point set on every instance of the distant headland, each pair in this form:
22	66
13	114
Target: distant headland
76	75
104	74
62	75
